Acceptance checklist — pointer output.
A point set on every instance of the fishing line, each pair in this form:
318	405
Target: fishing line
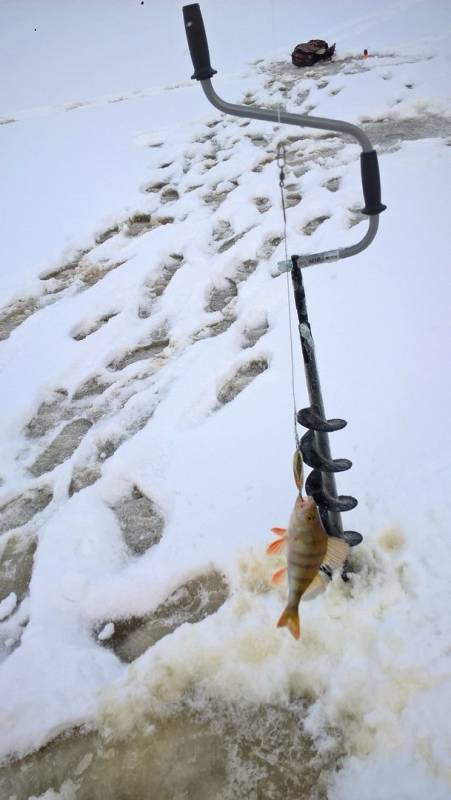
281	162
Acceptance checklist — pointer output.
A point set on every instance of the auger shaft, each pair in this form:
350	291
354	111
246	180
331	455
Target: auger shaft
334	523
314	444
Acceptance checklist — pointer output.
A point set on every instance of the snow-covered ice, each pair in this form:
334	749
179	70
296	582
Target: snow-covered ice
146	410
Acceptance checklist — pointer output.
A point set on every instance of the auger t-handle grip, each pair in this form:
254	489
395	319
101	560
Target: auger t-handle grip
371	186
197	42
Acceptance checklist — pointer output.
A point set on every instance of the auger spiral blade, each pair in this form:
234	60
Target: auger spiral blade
314	459
314	488
312	419
352	538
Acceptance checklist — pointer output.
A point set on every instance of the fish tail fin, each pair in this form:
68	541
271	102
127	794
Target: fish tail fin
290	619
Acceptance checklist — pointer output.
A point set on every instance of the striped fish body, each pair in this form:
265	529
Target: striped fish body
307	546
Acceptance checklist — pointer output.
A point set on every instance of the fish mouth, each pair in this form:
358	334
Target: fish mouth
305	501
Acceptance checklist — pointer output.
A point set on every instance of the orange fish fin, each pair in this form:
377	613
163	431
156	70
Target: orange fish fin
279	576
277	546
316	587
290	619
279	531
337	552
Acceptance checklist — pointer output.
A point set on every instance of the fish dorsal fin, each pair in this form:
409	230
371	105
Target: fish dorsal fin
316	587
337	552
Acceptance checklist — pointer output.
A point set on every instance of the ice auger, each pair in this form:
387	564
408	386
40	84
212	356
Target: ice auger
314	444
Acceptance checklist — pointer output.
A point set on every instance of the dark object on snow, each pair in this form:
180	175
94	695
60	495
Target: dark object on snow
308	53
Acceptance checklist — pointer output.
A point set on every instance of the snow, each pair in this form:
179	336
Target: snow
106	121
8	605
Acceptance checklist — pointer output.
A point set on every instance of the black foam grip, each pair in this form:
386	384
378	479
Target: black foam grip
197	42
371	183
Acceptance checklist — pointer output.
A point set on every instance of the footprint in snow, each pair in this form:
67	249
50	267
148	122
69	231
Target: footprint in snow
258	139
82	332
107	234
312	226
91	387
155	187
84	475
157	285
218	193
252	334
141	522
13	315
215	328
262	204
221	295
243	376
333	184
268	247
81	271
169	195
87	472
22	509
16	568
61	448
263	163
149	350
244	270
189	603
52	411
140	223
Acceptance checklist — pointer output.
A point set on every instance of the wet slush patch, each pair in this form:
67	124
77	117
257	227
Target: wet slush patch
203	749
389	131
190	603
22	509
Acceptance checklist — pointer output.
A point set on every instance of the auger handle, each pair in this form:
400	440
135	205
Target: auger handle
197	42
371	183
198	45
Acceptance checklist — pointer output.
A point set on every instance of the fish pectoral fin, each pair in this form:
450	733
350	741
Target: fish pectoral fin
277	546
290	619
279	576
279	531
336	553
316	587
